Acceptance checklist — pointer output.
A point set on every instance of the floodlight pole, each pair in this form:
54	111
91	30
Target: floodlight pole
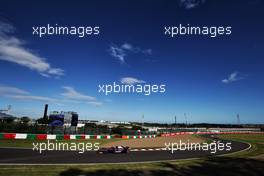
238	119
185	119
142	122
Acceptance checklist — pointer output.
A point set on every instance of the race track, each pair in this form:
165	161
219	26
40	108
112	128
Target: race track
27	156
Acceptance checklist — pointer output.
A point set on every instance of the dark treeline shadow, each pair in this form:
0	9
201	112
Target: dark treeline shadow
218	166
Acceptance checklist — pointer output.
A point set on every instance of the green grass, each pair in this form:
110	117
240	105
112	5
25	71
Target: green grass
203	138
256	141
200	167
112	169
238	164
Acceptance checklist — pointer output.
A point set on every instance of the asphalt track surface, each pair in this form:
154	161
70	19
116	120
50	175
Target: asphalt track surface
28	156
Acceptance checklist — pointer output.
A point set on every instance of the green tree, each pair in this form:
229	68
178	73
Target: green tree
9	120
136	127
25	120
42	121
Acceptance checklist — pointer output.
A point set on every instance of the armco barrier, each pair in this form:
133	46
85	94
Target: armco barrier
66	136
201	132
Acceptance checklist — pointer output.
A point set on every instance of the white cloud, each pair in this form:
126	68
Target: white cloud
13	50
6	28
5	90
131	81
31	97
120	52
71	93
190	4
147	51
95	103
70	96
16	93
235	76
127	46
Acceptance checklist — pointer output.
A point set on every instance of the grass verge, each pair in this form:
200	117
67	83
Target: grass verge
255	140
238	164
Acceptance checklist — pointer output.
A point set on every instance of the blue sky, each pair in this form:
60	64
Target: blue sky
209	79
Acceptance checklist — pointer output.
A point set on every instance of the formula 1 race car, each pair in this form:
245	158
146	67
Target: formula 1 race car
116	149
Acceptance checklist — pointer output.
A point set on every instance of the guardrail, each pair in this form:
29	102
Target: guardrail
237	132
66	136
84	136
